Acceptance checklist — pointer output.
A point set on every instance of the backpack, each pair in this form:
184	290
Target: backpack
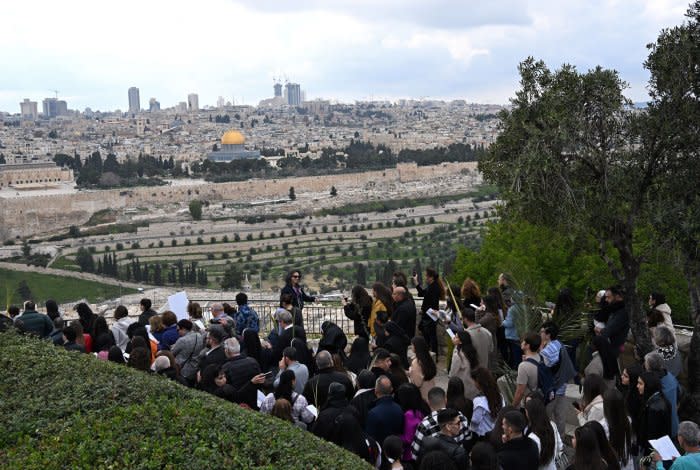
545	380
563	370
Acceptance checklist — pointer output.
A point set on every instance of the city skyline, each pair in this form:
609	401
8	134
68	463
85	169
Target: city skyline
343	51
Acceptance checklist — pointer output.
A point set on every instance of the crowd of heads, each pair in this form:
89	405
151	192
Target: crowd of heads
377	395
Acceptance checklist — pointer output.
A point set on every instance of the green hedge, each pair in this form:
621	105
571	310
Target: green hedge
70	410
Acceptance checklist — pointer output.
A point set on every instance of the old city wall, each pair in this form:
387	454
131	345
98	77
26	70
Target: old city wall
30	215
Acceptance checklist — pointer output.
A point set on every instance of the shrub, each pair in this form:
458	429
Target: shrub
117	417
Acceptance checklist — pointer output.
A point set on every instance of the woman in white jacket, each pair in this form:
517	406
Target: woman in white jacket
544	432
657	301
591	409
617	427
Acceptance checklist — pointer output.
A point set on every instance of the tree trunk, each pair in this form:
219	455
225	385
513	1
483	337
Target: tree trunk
631	267
691	270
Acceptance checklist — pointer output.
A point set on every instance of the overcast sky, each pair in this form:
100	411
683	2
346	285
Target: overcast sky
93	51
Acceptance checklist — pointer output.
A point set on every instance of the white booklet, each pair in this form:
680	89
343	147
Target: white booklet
449	332
432	314
261	397
665	448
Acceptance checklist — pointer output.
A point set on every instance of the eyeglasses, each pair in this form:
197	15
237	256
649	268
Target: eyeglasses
295	276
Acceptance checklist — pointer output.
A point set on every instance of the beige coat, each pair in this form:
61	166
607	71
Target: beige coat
592	412
415	376
461	368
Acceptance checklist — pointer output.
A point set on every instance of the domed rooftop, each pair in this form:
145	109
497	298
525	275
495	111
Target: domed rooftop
232	138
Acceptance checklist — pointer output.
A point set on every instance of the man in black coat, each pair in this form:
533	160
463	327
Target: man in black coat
316	389
518	452
146	312
238	369
215	352
364	398
289	332
395	340
450	425
404	311
386	417
618	324
326	426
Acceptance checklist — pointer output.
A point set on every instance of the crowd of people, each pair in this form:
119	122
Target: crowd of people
378	396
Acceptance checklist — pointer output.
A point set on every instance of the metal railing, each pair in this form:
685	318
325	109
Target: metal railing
314	314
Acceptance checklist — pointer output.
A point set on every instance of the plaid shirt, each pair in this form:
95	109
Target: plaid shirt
430	427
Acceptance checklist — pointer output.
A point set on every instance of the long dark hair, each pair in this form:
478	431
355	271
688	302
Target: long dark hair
540	426
427	364
87	317
409	398
467	348
359	355
607	357
652	384
397	371
383	294
430	272
456	399
487	385
500	301
101	335
593	386
606	451
251	340
632	398
285	388
565	305
587	454
140	358
288	278
619	428
361	297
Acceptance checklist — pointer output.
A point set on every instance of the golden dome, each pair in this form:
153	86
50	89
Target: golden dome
232	138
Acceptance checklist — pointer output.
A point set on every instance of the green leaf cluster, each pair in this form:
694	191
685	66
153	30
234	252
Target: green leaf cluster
69	410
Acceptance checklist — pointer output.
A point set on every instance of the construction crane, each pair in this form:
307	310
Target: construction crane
55	92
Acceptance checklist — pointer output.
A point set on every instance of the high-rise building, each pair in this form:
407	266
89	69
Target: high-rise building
54	107
134	100
278	89
29	109
153	105
293	94
193	102
220	102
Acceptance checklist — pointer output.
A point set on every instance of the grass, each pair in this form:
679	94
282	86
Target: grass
48	286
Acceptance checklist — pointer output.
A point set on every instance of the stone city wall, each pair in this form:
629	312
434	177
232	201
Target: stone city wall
18	175
29	215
